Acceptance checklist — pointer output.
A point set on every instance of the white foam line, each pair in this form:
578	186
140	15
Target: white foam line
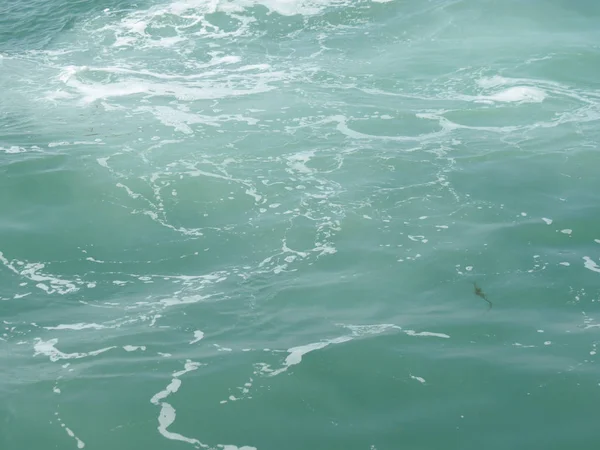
133	348
222	349
12	149
419	379
80	443
48	348
286	249
186	300
167	413
164	223
161	76
446	125
296	353
198	335
515	94
426	333
590	264
32	271
362	330
233	447
245	390
154	319
77	326
208	90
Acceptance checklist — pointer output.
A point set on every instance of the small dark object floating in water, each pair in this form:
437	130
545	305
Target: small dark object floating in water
480	293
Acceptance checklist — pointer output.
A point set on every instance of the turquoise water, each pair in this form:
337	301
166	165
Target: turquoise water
257	224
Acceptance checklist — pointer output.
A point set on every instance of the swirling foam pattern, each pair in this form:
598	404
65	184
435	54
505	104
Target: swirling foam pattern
256	224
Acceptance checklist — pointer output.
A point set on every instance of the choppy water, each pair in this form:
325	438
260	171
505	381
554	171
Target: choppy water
257	224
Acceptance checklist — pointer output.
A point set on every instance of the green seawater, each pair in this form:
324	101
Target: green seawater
257	224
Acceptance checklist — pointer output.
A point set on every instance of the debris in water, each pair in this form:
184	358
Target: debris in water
480	293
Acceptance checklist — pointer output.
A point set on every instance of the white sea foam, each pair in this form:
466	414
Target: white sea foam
77	326
590	264
427	334
222	349
223	84
283	7
233	447
13	149
185	300
167	414
198	335
34	272
297	162
521	94
295	354
492	82
80	443
419	379
366	330
133	348
48	349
